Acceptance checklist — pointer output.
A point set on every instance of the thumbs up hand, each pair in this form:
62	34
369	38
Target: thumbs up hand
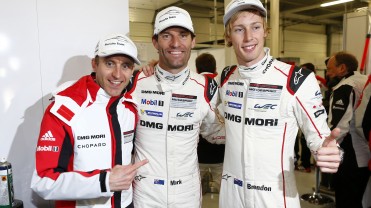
329	155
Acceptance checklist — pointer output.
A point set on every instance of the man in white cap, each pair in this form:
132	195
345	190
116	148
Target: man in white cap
261	126
83	155
175	104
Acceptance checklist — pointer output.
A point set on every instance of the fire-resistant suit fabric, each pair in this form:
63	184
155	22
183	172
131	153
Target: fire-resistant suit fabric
263	107
174	110
83	134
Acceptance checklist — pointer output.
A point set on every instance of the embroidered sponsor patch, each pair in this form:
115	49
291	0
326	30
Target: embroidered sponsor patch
128	136
159	182
234	105
319	112
183	101
152	102
264	91
232	93
237	182
151	113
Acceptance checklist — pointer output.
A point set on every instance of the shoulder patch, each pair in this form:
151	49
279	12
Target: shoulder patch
210	88
296	78
226	73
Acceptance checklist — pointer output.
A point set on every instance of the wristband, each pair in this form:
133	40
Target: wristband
341	154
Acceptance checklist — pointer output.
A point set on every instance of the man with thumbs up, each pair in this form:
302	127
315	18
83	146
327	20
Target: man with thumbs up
273	100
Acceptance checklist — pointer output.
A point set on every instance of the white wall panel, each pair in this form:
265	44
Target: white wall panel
44	43
356	25
309	47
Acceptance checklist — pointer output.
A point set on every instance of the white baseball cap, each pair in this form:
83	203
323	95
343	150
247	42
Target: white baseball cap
117	44
237	5
172	16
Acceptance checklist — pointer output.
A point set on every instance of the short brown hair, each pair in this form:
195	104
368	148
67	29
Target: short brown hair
206	63
349	60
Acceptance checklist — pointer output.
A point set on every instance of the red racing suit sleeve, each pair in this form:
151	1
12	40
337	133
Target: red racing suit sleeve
54	178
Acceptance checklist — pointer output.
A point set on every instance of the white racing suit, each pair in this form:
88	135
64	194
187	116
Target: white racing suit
173	111
83	134
263	107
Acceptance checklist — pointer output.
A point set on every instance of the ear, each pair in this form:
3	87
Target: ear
155	43
193	42
343	70
94	64
228	40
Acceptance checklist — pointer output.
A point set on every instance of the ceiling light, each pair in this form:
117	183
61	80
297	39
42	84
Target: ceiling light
334	3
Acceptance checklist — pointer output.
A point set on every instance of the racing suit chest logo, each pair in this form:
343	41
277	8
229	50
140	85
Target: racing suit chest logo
265	106
152	102
156	125
232	93
251	121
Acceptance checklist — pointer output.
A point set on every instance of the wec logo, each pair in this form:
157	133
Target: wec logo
184	115
265	106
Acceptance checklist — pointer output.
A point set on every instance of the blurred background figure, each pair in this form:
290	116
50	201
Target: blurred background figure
352	176
210	156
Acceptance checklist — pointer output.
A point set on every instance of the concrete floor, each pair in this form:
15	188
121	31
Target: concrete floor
305	183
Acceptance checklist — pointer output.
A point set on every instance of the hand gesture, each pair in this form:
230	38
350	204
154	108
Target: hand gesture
122	176
149	69
328	156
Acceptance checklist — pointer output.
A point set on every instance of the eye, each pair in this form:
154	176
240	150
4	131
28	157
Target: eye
238	30
165	36
126	66
257	27
110	64
183	35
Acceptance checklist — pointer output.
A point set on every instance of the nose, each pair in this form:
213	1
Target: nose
175	42
116	72
248	35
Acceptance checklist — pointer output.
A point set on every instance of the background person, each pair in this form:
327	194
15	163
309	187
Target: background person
261	126
353	174
210	156
83	155
363	128
176	105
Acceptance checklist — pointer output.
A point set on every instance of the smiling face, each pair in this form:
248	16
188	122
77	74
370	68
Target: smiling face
174	47
247	34
113	73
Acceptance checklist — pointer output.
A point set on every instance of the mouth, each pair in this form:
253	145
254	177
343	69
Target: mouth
115	83
175	53
249	47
